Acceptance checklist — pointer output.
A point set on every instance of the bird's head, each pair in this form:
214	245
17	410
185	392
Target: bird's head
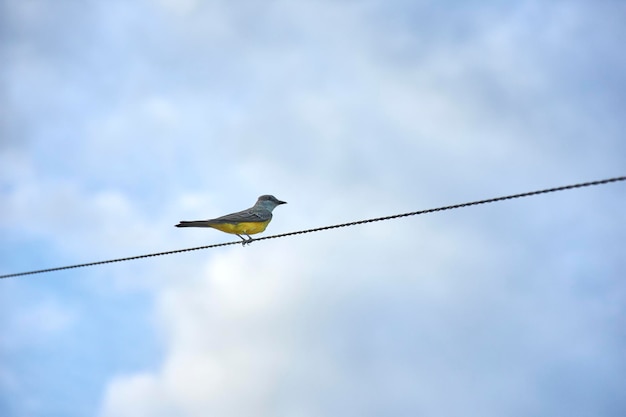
269	202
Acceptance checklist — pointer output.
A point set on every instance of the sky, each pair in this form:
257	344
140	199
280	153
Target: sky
118	119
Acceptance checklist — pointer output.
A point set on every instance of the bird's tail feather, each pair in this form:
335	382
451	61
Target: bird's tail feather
195	223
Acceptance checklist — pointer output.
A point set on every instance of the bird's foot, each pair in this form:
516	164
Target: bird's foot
245	241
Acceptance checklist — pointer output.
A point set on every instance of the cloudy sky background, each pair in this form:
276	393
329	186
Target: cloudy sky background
118	119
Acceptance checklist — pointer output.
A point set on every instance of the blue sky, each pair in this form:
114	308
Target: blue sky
118	119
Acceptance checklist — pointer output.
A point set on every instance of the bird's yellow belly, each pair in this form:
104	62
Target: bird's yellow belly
246	228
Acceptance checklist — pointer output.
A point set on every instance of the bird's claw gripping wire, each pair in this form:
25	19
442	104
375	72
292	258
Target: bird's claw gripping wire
246	241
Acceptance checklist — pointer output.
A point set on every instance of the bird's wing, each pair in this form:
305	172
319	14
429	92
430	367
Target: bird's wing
249	215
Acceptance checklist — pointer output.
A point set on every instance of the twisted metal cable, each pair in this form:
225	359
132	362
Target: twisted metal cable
336	226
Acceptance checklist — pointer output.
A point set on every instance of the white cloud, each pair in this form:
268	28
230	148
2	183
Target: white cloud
136	396
275	330
346	113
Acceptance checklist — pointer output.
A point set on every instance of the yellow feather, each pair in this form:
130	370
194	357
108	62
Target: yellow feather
247	228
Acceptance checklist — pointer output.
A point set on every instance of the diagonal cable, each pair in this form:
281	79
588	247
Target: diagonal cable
336	226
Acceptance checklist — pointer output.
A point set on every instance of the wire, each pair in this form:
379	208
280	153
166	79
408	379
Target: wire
336	226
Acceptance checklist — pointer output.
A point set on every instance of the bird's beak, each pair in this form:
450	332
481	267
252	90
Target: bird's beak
281	202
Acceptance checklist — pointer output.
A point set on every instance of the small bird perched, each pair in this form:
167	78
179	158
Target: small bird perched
247	222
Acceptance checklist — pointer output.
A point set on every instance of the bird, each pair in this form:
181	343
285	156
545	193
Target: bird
247	222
